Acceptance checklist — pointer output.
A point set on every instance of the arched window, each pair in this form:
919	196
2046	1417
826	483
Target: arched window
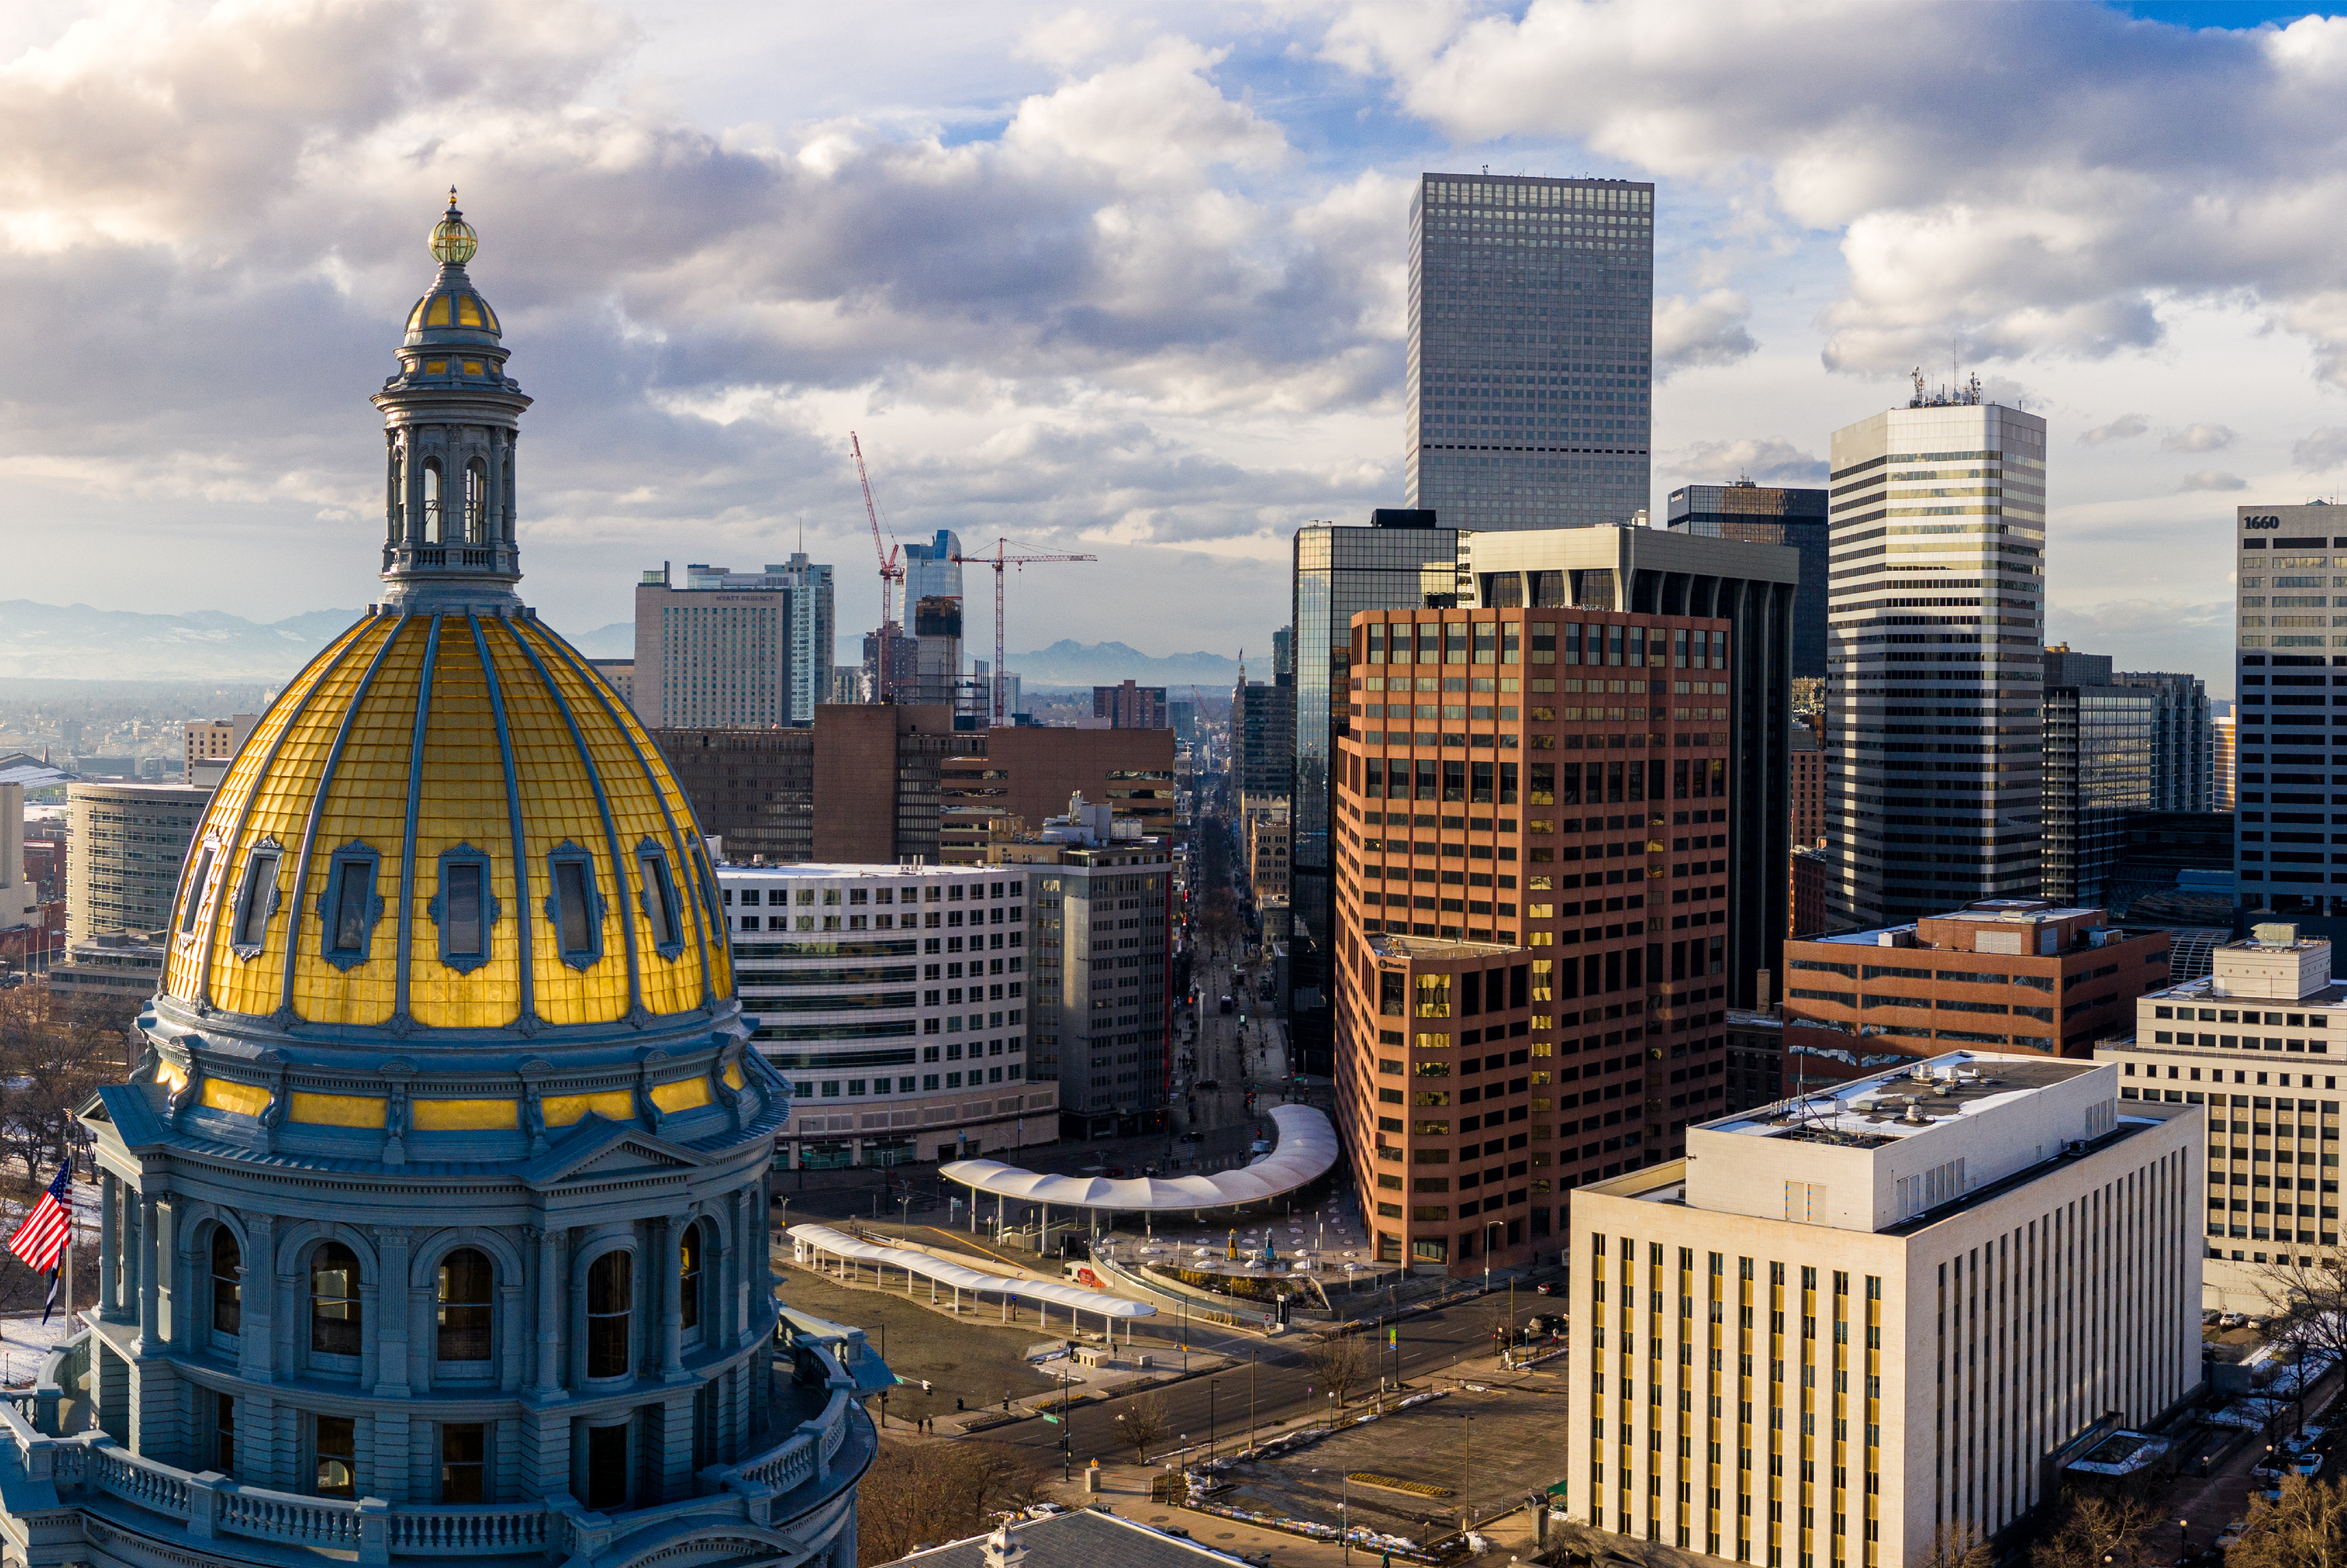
432	519
611	1301
334	1300
464	1306
477	502
689	1265
228	1283
398	495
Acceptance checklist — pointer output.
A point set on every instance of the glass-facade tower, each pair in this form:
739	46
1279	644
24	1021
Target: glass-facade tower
1339	573
1767	514
1934	730
1531	305
2286	734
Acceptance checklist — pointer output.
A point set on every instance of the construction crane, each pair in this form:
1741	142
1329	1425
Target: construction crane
998	561
892	572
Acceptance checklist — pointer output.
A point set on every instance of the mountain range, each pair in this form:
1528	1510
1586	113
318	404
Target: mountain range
76	641
1071	663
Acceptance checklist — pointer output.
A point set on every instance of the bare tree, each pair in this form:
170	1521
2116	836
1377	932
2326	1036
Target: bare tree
920	1493
1339	1361
1956	1546
1142	1422
2097	1531
2307	1529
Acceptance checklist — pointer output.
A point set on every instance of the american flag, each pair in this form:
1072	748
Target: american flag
41	1238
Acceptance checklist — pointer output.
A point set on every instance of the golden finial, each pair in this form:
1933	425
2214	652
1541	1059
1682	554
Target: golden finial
454	243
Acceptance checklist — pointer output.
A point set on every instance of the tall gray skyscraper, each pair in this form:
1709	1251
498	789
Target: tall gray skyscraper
1532	306
1933	681
2284	642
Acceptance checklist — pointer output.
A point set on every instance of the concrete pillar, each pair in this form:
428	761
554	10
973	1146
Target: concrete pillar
109	1242
151	1269
670	1264
257	1303
391	1324
549	1321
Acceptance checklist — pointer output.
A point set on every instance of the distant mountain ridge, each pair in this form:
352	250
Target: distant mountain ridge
1070	663
80	642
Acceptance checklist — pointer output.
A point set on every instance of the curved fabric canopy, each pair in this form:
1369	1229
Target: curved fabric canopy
822	1239
1305	1150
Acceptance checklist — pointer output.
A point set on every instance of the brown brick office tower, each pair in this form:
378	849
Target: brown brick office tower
1531	841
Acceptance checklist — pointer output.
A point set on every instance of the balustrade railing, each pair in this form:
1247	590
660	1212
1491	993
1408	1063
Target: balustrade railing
375	1531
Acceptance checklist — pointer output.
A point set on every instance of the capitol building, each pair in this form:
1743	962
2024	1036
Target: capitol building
435	1216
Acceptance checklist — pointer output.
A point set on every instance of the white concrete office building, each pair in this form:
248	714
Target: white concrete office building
1937	527
1845	1322
2251	1041
893	997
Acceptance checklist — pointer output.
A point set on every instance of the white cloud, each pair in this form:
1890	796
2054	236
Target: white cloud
1764	460
2018	182
2322	450
2211	479
1707	331
2199	438
2125	427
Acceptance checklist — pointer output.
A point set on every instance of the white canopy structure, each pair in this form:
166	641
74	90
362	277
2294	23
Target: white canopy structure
821	1241
1305	1150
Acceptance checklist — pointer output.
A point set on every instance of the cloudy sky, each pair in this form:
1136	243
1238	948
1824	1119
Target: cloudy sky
1125	279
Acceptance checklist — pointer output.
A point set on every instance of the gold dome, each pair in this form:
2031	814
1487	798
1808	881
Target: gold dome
449	821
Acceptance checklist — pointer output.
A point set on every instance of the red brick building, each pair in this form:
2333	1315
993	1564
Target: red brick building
1531	838
2004	974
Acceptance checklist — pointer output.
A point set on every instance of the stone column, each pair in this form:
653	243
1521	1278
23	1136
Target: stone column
151	1270
671	1264
183	1287
109	1241
390	1301
549	1319
257	1301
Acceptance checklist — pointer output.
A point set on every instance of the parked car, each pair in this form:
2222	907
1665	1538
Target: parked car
2229	1321
2308	1465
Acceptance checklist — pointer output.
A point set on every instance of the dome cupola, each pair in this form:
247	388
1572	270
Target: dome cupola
451	418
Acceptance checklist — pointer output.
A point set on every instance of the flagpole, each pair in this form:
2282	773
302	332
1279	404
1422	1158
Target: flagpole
73	1217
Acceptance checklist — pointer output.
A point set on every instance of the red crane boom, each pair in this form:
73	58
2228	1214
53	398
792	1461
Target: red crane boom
892	572
998	561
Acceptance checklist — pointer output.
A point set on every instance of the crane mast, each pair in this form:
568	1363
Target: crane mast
1001	558
892	572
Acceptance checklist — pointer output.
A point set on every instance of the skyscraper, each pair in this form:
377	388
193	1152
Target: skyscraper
746	648
2182	771
1338	572
931	572
2281	637
1532	306
1647	571
1933	776
2100	740
1455	869
1767	515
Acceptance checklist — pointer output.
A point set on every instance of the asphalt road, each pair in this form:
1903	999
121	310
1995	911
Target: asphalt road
1284	1384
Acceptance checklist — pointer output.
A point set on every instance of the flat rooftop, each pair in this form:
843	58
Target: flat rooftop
2197	993
1390	947
816	870
1886	1107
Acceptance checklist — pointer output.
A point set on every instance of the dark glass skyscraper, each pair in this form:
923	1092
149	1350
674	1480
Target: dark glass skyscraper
1767	515
1531	305
1339	573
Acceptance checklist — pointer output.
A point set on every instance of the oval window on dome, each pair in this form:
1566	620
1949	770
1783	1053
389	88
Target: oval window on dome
468	311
